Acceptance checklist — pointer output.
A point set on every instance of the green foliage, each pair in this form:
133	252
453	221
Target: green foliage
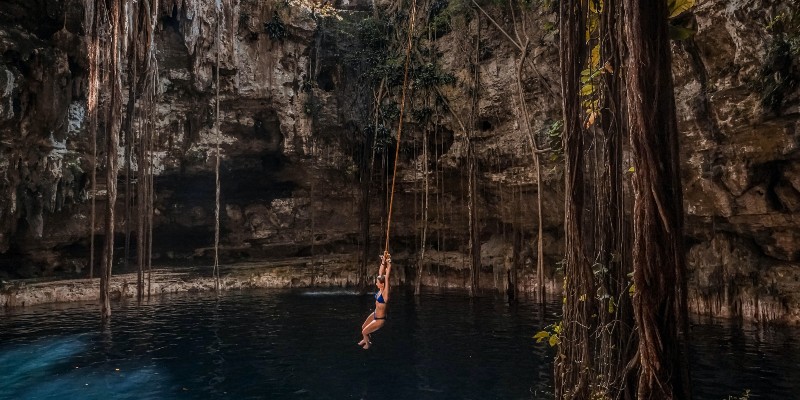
744	396
551	333
553	138
390	111
317	9
275	28
681	22
444	14
373	33
373	54
377	54
678	7
546	5
592	74
421	114
392	70
549	27
681	27
779	74
383	137
786	26
428	76
72	163
632	286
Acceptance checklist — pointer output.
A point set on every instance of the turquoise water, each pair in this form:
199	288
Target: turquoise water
278	344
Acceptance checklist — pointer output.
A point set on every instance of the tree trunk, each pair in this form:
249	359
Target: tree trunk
658	255
573	365
618	339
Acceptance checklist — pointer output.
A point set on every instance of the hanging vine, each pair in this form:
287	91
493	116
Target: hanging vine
142	54
536	149
92	21
107	22
218	135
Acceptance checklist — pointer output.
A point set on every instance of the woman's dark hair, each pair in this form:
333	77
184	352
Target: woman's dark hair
382	278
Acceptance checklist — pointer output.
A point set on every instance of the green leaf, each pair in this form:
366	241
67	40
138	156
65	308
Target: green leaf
596	6
632	289
680	32
553	340
599	269
541	335
594	60
587	89
611	305
678	7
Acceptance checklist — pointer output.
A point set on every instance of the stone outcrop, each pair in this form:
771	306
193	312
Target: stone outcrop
292	125
298	273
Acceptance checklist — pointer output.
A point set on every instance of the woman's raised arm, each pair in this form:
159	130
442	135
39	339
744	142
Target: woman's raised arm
388	262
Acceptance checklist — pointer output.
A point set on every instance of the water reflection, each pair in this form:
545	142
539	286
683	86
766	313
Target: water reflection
730	358
302	345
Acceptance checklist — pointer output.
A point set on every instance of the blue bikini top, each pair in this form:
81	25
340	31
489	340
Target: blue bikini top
379	297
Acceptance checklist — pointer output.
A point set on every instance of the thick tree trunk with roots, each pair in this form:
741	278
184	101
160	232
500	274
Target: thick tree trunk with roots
617	337
658	254
573	364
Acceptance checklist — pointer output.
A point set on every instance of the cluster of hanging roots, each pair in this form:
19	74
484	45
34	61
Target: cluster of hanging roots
119	31
621	338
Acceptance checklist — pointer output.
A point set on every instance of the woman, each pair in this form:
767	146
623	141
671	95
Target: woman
378	317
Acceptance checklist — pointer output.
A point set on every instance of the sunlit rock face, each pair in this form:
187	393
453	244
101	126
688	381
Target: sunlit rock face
291	120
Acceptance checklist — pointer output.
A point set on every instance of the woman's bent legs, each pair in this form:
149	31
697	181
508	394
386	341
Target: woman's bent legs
370	318
371	327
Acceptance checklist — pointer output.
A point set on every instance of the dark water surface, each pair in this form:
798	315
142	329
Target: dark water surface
278	344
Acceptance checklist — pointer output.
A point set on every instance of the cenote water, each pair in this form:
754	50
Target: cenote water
278	344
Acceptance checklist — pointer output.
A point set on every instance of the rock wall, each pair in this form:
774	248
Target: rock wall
739	103
293	139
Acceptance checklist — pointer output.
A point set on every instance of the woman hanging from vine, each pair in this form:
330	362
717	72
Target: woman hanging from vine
377	319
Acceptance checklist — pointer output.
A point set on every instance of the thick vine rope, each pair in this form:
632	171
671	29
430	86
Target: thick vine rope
216	169
400	123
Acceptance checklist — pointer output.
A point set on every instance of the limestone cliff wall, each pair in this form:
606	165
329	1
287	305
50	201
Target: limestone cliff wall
292	143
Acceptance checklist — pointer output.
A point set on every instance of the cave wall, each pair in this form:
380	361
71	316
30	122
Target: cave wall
738	104
292	136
